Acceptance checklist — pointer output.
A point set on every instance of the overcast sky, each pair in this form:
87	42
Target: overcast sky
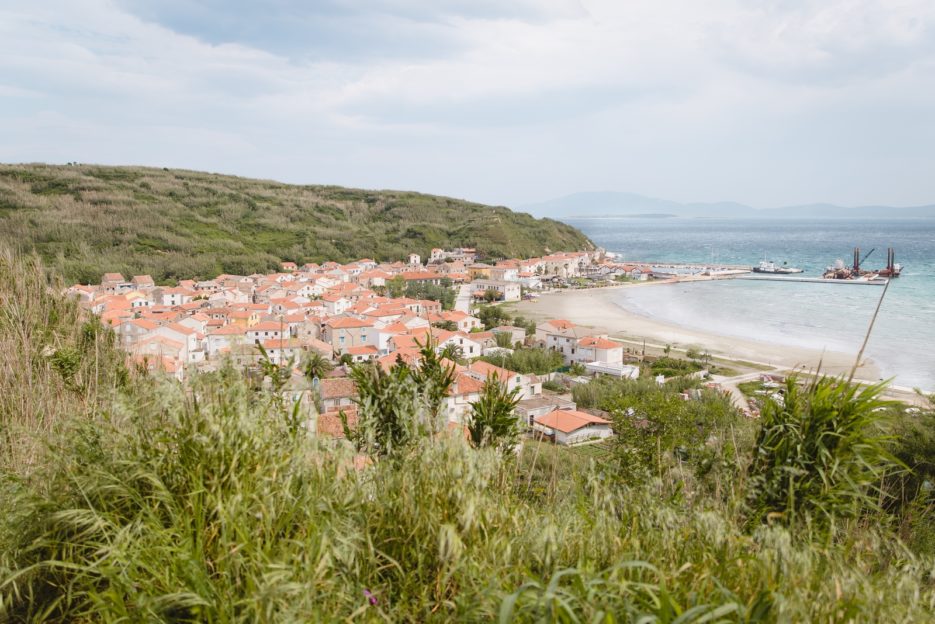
767	102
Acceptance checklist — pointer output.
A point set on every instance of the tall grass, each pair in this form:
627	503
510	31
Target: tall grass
202	504
56	363
207	507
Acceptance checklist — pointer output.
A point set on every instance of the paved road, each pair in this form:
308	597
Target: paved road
730	384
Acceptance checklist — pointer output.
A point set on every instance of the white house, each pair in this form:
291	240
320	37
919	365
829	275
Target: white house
569	426
597	349
336	304
224	338
191	345
508	291
464	391
560	335
267	330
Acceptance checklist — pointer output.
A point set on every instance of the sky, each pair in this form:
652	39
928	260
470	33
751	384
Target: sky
765	102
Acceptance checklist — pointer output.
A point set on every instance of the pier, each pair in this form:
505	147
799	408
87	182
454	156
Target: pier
812	280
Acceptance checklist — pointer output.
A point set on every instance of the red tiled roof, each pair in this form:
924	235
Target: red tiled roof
568	421
347	322
330	424
337	388
598	342
486	369
362	350
560	324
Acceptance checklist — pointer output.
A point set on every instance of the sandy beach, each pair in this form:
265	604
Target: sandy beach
595	308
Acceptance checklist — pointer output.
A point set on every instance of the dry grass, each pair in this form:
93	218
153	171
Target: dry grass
56	363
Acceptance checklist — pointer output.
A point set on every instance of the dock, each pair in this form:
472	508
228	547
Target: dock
812	280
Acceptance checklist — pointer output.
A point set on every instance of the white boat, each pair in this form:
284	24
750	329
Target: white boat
768	266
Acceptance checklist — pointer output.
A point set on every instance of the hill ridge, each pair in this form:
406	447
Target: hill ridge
85	220
614	204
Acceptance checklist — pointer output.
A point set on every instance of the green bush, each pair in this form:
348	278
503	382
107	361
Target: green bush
674	367
819	455
528	360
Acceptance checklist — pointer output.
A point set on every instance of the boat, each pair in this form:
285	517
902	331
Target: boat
768	266
893	269
840	271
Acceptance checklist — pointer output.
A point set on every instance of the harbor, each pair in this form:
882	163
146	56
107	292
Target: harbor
767	270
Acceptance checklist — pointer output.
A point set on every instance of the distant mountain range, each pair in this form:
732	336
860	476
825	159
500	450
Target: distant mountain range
614	204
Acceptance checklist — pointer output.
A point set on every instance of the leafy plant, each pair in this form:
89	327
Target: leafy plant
819	455
399	406
317	365
493	419
503	340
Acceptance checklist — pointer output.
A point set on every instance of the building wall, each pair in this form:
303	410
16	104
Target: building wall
590	432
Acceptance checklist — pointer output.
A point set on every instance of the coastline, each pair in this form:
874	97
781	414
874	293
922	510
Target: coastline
596	309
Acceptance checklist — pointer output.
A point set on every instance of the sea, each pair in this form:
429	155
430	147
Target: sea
832	317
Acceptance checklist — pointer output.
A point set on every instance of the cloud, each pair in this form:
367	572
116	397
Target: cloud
507	102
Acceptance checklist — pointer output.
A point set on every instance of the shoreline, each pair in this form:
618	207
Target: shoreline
595	309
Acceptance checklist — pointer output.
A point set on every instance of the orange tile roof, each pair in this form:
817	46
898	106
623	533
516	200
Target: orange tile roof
486	369
144	323
598	342
329	423
347	322
362	350
568	421
267	326
337	388
560	324
465	384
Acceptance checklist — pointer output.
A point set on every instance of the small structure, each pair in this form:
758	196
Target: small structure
530	409
569	426
622	371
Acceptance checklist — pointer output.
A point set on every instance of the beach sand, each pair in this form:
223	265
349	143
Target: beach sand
595	308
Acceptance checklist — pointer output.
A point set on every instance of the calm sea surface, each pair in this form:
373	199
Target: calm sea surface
820	316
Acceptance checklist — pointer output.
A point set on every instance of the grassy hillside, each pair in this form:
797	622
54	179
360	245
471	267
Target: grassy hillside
85	220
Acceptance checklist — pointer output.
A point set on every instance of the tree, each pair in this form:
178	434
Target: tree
446	325
492	420
451	352
577	369
388	408
492	316
491	295
433	377
396	286
503	340
317	365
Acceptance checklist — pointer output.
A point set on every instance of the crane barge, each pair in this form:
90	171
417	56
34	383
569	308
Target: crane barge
839	271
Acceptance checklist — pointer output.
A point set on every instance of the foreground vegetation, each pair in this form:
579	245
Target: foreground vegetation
206	504
85	220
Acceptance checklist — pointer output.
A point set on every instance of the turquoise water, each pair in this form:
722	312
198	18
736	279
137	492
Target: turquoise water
818	316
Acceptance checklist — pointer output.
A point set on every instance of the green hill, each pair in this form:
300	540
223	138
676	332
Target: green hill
173	224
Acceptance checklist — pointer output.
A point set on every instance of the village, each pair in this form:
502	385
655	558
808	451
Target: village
343	314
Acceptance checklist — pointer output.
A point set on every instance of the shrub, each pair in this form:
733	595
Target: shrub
818	456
